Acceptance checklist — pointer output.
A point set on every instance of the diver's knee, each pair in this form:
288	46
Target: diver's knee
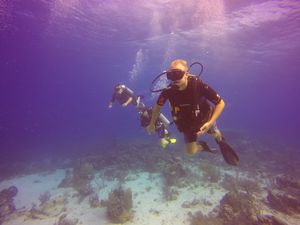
217	135
191	148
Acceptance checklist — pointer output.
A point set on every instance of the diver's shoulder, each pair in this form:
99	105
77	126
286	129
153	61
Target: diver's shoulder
194	79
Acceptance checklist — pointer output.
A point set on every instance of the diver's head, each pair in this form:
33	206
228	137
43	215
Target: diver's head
178	73
119	88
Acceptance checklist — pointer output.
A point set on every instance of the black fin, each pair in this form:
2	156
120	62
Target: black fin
228	153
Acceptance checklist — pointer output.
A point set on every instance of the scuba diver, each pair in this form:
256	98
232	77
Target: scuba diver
160	126
124	96
189	99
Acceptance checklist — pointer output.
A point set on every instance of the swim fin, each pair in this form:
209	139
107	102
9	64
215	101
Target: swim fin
228	153
205	147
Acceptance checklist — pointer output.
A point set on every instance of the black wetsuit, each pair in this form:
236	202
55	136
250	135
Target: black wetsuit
190	108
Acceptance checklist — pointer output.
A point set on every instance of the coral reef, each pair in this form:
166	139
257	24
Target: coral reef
236	207
83	170
80	179
210	173
44	197
170	193
63	220
94	201
119	206
50	208
283	202
199	219
284	195
270	220
7	206
175	176
287	184
67	181
113	173
195	202
235	184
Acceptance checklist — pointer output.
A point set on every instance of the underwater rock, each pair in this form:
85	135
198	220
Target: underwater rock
119	206
283	202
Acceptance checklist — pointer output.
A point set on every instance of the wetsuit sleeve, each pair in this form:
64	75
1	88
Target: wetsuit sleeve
210	94
162	98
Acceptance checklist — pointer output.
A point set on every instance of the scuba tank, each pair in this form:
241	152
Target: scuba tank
164	119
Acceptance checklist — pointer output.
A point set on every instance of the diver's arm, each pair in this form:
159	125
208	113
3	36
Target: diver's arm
127	102
110	104
155	113
216	113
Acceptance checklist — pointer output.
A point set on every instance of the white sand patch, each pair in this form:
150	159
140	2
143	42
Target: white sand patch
30	187
149	205
151	208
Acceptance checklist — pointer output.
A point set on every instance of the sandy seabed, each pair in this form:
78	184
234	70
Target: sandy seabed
153	201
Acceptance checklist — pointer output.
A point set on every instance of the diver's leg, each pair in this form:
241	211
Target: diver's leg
215	132
160	129
134	101
137	102
191	146
228	153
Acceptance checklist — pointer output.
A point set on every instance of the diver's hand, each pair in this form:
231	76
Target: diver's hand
110	105
204	128
124	104
150	128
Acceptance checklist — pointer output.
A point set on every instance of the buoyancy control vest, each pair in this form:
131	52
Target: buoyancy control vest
193	110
